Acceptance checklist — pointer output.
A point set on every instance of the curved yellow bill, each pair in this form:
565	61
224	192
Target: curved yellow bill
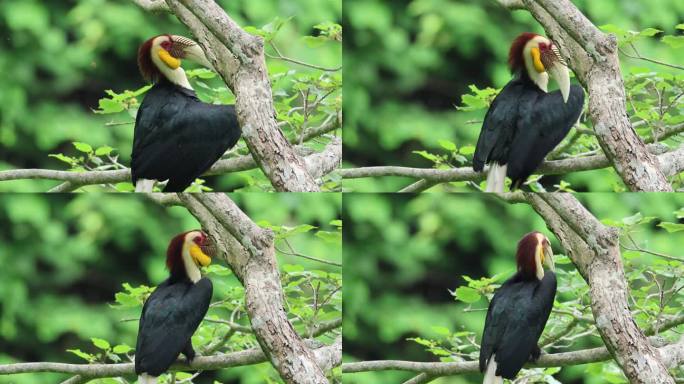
200	257
169	60
536	60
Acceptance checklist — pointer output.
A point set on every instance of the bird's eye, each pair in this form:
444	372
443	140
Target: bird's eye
166	45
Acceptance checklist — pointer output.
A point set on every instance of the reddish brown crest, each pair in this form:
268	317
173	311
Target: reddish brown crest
174	253
515	55
148	70
524	257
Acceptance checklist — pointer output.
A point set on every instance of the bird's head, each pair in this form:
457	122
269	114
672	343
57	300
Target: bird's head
161	56
539	58
534	250
187	252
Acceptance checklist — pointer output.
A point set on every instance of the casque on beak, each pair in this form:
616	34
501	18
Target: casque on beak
556	68
184	48
548	257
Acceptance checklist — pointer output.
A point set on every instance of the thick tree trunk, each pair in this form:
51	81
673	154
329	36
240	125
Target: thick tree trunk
249	251
595	251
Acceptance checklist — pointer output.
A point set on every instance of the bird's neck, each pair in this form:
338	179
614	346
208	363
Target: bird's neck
191	269
541	80
176	76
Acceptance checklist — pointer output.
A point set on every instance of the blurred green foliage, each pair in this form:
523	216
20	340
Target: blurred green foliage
75	268
67	65
410	63
417	270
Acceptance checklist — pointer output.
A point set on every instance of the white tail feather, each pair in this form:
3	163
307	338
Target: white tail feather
496	177
147	379
490	375
144	185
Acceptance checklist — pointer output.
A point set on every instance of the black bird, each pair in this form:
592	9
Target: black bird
525	122
518	312
175	309
177	137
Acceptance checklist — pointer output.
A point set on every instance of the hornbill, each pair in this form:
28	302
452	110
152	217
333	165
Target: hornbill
177	137
518	312
525	121
175	309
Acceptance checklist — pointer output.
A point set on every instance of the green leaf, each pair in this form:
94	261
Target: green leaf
467	150
467	294
83	147
100	343
649	32
671	227
448	145
103	150
121	349
427	155
81	354
472	103
675	42
66	159
110	106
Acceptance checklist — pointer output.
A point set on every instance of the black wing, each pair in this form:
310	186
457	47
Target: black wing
178	137
169	318
527	311
499	127
543	123
493	329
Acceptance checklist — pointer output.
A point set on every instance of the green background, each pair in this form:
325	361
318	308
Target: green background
59	57
408	62
64	257
404	253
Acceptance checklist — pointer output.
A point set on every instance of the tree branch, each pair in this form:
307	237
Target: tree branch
585	356
319	164
323	355
671	162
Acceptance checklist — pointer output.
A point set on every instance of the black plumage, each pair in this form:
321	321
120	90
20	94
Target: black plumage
523	125
170	316
515	320
178	137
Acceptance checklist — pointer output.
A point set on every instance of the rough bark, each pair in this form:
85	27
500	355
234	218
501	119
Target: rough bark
318	164
325	356
595	251
249	250
239	59
593	56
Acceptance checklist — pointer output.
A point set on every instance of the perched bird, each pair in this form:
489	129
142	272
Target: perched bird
525	121
177	137
518	312
175	309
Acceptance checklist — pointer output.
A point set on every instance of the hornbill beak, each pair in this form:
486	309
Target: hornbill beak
558	70
548	257
184	48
